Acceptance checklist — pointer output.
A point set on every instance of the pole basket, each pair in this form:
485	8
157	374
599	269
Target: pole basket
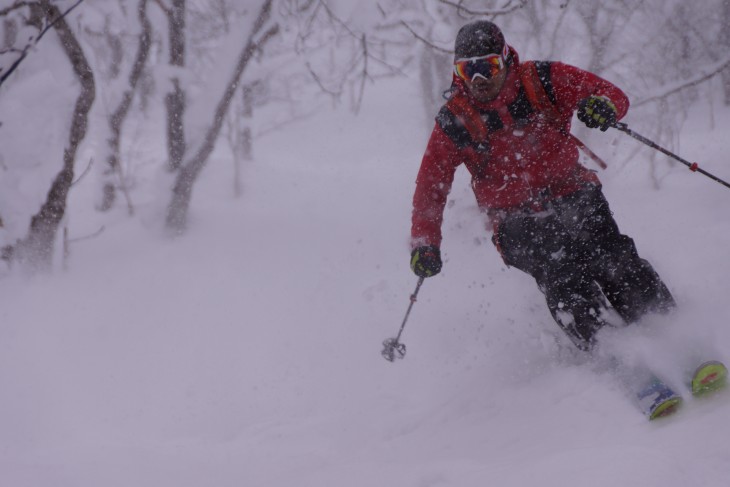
393	350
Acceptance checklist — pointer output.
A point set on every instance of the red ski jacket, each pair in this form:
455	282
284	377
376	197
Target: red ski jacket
526	159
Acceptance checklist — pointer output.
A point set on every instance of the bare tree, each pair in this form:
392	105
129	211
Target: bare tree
604	25
10	33
36	249
434	56
725	42
175	99
10	29
240	134
420	23
118	116
177	210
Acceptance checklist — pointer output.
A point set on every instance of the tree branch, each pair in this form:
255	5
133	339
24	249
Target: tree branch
704	75
493	12
83	174
37	247
167	10
319	81
15	6
117	118
365	74
17	62
187	175
425	41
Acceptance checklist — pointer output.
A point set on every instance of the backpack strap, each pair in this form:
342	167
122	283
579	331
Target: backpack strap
469	117
536	93
539	98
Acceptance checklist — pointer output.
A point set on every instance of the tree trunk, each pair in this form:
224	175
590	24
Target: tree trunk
182	191
36	250
242	139
175	100
435	81
725	42
246	136
116	120
10	31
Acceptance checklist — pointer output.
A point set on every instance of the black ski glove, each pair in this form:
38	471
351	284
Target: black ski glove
426	261
597	111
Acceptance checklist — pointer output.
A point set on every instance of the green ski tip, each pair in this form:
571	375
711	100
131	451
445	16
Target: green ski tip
708	378
666	408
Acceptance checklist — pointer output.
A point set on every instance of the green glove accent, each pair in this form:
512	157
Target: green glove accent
426	261
597	111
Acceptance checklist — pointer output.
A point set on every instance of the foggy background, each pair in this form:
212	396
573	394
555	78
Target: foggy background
205	214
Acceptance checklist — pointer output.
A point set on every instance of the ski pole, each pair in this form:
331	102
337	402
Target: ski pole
693	166
392	348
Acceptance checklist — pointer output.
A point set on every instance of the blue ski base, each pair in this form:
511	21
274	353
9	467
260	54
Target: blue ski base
657	400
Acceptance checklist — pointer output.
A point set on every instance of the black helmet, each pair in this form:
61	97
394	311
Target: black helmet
478	39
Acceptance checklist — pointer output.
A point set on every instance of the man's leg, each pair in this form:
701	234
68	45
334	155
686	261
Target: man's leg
541	247
629	282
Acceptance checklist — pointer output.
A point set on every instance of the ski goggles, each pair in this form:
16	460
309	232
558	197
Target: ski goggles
484	66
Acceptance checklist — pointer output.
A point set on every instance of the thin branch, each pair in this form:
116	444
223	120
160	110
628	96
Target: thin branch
319	81
564	11
88	237
17	62
493	12
425	41
365	74
259	24
167	10
11	49
337	19
48	27
16	6
391	67
83	174
276	127
703	76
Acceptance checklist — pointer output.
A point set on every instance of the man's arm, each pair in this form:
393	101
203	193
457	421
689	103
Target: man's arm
432	188
571	85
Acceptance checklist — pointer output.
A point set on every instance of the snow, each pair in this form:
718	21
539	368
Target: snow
247	353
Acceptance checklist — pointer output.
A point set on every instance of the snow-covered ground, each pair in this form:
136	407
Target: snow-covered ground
248	352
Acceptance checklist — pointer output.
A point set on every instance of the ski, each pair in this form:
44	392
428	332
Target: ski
709	377
657	400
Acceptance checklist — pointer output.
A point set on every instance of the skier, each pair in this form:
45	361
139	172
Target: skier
509	123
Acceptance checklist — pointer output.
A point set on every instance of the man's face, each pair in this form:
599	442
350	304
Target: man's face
485	90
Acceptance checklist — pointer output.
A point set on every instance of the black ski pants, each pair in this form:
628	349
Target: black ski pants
582	264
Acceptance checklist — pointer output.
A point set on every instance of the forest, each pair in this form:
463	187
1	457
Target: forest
224	72
205	239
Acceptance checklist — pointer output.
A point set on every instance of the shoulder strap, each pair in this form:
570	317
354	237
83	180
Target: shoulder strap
536	93
468	115
538	97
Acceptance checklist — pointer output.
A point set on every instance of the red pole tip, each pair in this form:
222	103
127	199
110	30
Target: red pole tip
694	166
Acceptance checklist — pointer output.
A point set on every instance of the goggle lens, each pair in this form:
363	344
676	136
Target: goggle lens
484	66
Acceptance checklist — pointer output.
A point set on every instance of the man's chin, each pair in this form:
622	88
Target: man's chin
483	96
